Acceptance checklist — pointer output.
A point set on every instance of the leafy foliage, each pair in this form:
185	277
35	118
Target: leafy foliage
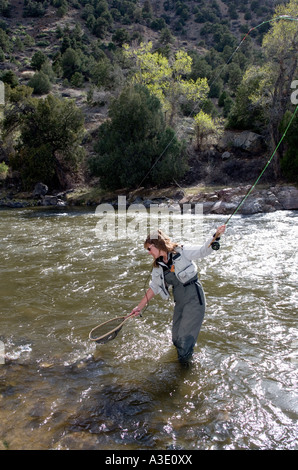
249	109
40	83
167	79
51	131
263	96
289	162
206	127
134	140
3	170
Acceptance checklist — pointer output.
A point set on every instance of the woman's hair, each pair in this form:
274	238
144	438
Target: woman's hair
161	241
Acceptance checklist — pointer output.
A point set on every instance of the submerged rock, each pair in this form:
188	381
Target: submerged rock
53	201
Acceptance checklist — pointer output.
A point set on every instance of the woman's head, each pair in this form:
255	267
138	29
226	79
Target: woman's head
159	243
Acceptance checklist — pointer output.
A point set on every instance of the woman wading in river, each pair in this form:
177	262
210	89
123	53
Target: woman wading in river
173	265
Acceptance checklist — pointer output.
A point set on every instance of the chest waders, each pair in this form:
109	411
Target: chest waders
188	315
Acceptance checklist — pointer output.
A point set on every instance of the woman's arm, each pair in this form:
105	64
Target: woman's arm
147	297
199	252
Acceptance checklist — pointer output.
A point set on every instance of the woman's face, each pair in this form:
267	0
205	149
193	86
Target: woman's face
153	251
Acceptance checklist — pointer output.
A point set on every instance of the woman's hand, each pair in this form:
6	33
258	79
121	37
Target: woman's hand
220	230
135	312
145	300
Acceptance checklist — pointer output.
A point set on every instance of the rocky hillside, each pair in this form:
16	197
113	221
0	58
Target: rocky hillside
95	31
197	25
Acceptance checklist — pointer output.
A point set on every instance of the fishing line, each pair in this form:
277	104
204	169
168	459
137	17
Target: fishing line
99	333
214	244
264	169
281	17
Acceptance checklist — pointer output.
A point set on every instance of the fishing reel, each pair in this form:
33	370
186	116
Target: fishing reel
215	246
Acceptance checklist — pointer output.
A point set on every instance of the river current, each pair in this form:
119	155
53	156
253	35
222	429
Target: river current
59	390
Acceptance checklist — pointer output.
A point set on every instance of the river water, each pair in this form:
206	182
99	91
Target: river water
59	390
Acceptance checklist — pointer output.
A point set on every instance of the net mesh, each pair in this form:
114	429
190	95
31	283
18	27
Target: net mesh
106	331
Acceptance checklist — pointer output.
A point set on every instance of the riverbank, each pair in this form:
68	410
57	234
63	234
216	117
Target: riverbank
215	200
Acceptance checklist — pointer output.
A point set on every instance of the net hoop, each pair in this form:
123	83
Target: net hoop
109	333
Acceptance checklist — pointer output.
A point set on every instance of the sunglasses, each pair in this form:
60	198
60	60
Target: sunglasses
149	247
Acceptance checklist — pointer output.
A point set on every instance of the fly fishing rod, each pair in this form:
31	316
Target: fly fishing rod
214	243
264	169
108	330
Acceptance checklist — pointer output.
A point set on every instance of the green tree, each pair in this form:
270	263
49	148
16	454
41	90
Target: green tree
250	107
5	43
71	63
101	72
5	8
48	147
289	162
147	10
62	10
104	21
10	78
34	9
121	36
166	36
16	95
263	96
3	170
40	83
38	59
206	127
235	76
77	80
135	143
167	79
281	45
